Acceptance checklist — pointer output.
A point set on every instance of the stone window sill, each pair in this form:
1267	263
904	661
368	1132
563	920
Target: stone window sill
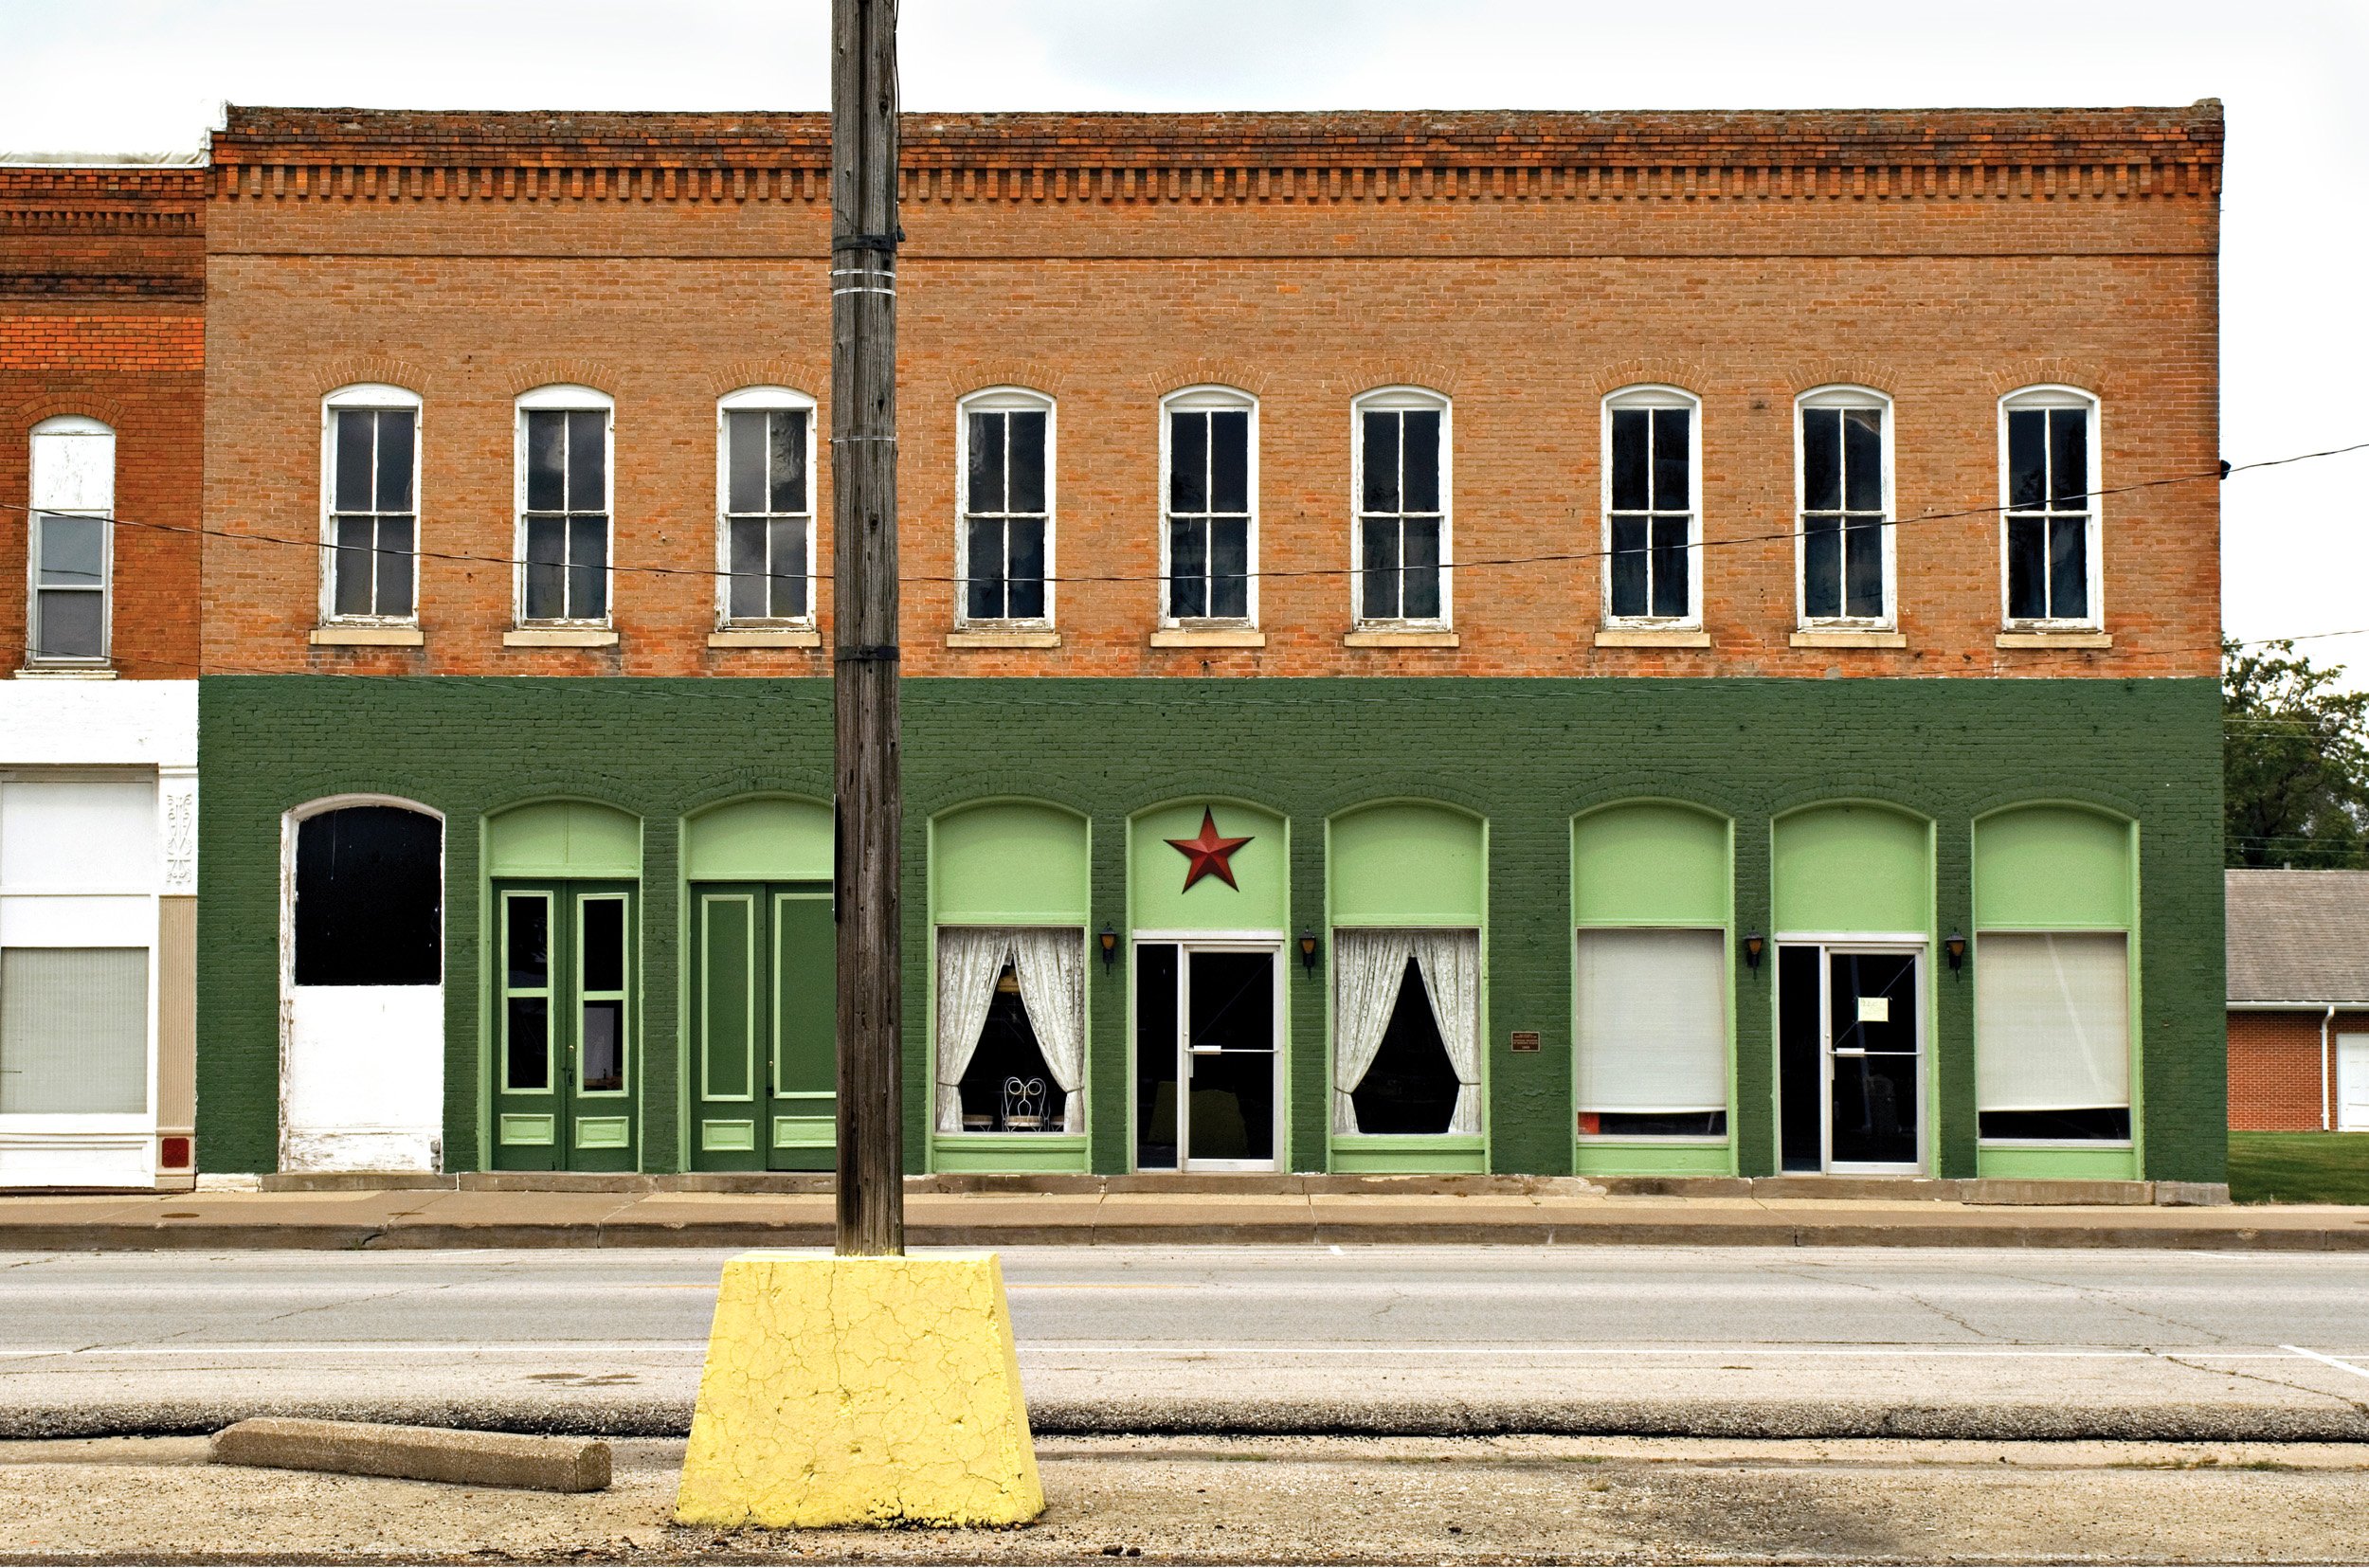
559	637
1402	637
1209	637
766	636
1652	637
66	672
2056	639
1013	637
365	637
1840	638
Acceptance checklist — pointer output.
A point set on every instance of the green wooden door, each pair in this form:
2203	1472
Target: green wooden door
566	1026
764	1016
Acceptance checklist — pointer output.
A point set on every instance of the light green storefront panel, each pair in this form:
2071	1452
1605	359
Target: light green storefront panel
2052	868
1651	865
1008	863
1853	868
728	1135
603	1132
1647	1157
766	841
2057	1165
563	839
1405	863
1157	898
527	1130
805	1132
728	1002
1029	1153
1382	1154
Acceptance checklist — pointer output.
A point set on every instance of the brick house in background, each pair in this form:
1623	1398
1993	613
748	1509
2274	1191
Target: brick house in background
102	275
2298	1000
1423	649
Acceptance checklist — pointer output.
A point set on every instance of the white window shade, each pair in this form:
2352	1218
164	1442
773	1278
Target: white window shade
74	466
74	1030
1652	1022
2051	1020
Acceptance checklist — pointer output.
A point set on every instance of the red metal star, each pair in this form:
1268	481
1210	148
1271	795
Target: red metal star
1209	853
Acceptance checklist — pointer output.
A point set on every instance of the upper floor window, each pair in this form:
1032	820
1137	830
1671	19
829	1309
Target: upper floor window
1845	493
764	466
564	505
1005	438
72	544
1401	485
1209	489
1652	439
2048	478
370	480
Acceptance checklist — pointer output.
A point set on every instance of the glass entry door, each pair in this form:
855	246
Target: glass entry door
1206	1058
564	1027
1849	1043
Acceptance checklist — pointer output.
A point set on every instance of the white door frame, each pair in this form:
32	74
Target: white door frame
2352	1082
1829	946
1186	944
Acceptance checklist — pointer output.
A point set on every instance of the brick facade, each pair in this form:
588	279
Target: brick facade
2275	1068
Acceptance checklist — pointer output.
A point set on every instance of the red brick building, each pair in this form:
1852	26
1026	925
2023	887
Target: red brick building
2299	1001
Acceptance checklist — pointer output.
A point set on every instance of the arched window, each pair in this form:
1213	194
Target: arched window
1843	488
1400	493
72	548
369	897
1209	507
369	504
1004	441
765	508
1652	507
2047	478
564	497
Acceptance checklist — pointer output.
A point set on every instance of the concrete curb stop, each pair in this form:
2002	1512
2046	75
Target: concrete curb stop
417	1454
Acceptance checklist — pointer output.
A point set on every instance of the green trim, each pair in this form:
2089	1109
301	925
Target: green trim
766	839
1649	1157
1407	863
603	1132
2056	1163
1008	863
1021	1153
528	1129
1854	867
2051	868
581	839
1445	1153
1653	863
728	1135
805	1132
1157	898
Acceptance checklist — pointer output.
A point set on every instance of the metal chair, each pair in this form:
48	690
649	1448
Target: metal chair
1023	1105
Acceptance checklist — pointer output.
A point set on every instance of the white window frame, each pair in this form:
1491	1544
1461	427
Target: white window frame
377	397
995	400
1656	395
68	424
1400	400
1845	397
747	400
2057	396
574	399
1203	398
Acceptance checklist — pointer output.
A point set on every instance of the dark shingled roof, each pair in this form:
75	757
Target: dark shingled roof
2298	936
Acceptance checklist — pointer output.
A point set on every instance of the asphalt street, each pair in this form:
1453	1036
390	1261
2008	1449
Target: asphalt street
1743	1343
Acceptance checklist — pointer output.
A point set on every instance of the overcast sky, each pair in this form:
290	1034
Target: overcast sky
114	76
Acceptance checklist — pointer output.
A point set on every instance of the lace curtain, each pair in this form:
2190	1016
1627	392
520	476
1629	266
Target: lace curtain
1051	964
1450	965
1368	967
970	959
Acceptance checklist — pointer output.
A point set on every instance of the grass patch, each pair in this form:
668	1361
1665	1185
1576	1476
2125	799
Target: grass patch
2299	1167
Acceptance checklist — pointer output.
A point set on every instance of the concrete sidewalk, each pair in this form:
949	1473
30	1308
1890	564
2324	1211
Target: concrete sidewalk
1556	1213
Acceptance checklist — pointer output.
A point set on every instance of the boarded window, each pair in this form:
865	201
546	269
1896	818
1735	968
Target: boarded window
369	897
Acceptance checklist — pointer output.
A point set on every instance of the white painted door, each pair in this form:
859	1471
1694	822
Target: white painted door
2352	1083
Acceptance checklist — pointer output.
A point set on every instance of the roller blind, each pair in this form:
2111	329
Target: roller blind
74	1030
2051	1020
1652	1021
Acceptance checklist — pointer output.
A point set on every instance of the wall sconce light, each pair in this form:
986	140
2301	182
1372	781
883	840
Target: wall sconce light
1110	941
1308	951
1955	945
1753	946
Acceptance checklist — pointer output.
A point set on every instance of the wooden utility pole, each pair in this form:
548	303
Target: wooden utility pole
863	699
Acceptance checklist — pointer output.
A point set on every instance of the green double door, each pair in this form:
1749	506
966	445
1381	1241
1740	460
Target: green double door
566	1018
764	1010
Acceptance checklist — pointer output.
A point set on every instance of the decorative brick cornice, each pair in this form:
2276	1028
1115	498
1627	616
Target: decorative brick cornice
1687	375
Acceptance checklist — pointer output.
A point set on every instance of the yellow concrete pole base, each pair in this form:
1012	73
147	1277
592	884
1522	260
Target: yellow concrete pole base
860	1391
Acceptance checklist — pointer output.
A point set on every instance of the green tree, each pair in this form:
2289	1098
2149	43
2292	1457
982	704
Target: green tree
2294	760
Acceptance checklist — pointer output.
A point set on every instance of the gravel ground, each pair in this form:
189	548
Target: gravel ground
1277	1500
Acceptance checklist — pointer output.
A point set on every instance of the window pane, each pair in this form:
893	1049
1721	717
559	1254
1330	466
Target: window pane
350	566
1821	568
547	552
73	552
1821	460
527	943
985	569
369	897
786	430
396	430
1419	596
2051	1020
73	624
1670	458
588	461
1378	459
1420	466
1863	459
2027	567
744	460
547	460
353	488
1865	545
1189	462
987	433
2069	458
526	1058
1189	568
397	566
2068	567
1229	568
603	944
1628	565
1670	566
587	567
1024	433
2027	457
1229	460
746	600
789	566
1631	460
74	1030
1382	568
1026	582
1652	1022
603	1047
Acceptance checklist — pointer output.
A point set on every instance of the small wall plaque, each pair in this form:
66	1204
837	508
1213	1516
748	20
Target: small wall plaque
1526	1039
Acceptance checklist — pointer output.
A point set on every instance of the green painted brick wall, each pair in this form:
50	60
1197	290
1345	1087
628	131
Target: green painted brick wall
1527	754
